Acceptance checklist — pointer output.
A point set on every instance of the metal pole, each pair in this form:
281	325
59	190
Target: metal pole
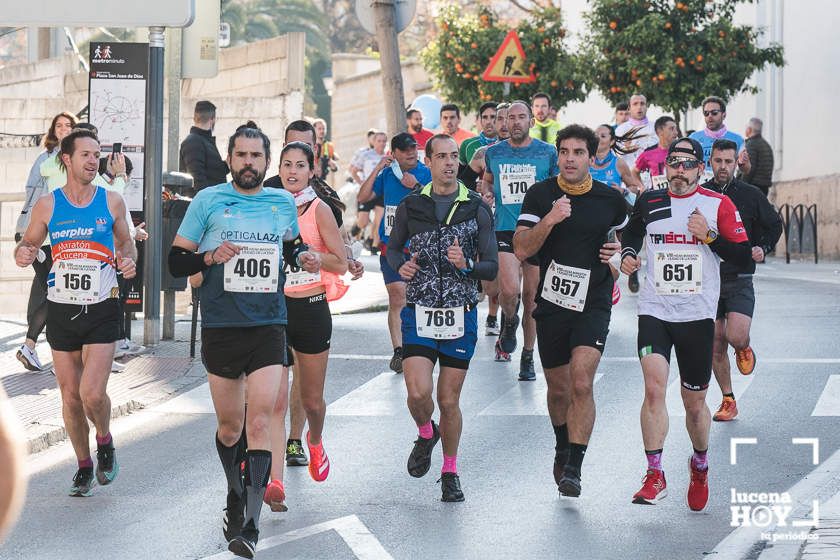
173	98
152	179
389	59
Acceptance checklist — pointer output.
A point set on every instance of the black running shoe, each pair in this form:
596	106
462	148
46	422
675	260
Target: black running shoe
83	483
421	456
526	366
295	457
450	486
107	467
561	456
243	546
396	360
507	339
569	484
633	282
234	516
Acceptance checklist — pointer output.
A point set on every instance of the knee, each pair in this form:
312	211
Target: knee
738	341
449	404
258	425
581	389
417	397
655	394
396	301
229	433
93	399
557	395
695	409
313	405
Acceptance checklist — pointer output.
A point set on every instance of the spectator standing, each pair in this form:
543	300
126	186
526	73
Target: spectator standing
760	155
199	155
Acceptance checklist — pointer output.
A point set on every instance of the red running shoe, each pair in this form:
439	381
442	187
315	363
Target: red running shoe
616	295
698	488
275	496
319	463
653	488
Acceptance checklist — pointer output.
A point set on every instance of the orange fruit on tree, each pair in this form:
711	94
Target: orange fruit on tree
661	77
473	45
699	58
613	25
554	83
668	25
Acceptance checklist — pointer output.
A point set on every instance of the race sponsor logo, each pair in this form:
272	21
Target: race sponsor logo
79	232
674	238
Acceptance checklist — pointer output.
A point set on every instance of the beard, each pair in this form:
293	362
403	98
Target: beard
518	136
416	128
248	178
680	185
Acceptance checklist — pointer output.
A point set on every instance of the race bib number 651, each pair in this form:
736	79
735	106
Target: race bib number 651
678	272
255	269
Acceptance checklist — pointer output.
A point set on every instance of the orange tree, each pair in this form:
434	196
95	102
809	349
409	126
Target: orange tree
466	42
675	53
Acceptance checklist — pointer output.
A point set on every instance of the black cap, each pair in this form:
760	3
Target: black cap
403	141
695	150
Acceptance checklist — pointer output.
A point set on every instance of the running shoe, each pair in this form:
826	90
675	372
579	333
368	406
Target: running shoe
421	455
561	456
653	490
107	467
295	457
29	358
745	360
275	496
245	544
450	485
83	483
501	356
396	360
728	410
526	366
126	347
234	516
117	367
616	295
319	463
491	326
633	282
569	484
507	338
698	488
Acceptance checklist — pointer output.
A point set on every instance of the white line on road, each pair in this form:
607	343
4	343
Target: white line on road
526	398
829	401
384	395
673	397
605	359
359	539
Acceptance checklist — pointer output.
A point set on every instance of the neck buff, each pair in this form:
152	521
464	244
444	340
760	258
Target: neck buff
304	196
716	134
638	122
575	189
602	162
486	140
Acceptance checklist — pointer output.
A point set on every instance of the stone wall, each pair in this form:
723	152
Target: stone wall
825	193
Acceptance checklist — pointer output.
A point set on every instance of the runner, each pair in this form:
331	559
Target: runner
714	113
449	233
621	114
564	222
609	169
386	184
487	136
652	160
361	166
241	229
512	167
414	126
91	244
545	128
309	319
450	123
637	130
687	227
737	295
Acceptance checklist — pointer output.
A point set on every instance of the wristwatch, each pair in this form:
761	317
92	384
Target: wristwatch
711	235
469	268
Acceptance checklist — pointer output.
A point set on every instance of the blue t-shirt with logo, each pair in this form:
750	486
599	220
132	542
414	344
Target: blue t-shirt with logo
262	221
392	191
514	171
707	141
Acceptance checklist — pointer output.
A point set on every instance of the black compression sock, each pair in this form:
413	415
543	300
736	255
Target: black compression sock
259	469
561	435
230	458
730	395
576	453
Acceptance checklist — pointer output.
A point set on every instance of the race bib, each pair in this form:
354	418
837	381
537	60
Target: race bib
659	181
678	272
256	269
566	286
77	282
296	276
442	323
514	185
390	214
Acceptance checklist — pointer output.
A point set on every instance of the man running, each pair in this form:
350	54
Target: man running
91	245
564	222
714	113
385	183
737	295
511	168
244	234
414	126
637	129
448	230
687	228
487	136
544	128
652	160
450	123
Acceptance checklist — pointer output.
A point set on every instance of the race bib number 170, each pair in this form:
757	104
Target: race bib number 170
515	183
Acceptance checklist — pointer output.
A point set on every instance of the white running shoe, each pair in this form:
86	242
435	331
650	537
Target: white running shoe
126	347
117	367
29	358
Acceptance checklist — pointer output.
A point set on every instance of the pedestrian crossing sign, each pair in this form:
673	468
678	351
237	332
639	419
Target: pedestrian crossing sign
508	64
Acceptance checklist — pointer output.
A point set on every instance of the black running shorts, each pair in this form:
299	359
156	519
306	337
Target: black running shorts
558	334
231	351
692	342
737	295
70	326
310	324
504	242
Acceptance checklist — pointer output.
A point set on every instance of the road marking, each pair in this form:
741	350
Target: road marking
526	398
363	543
604	359
673	397
384	395
194	401
829	401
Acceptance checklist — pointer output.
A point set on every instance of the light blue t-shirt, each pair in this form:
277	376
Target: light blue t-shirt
220	213
707	141
392	191
514	171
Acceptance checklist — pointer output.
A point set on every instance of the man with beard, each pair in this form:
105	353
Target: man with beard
487	136
545	128
688	228
414	126
714	113
243	234
637	129
450	123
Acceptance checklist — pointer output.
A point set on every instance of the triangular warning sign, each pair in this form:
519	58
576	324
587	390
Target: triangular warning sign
508	64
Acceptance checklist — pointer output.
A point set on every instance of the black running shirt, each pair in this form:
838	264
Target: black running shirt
577	240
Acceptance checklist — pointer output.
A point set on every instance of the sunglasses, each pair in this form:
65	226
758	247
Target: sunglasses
688	163
713	112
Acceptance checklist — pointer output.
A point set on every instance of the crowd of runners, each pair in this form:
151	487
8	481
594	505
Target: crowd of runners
536	219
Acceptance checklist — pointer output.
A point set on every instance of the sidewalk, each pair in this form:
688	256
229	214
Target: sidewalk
149	378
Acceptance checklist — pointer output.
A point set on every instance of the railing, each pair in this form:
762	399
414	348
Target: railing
794	219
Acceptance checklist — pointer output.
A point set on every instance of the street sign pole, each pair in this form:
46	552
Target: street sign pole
152	206
389	59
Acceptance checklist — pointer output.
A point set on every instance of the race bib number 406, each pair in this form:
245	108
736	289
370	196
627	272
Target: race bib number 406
515	180
566	286
77	281
442	323
256	269
678	272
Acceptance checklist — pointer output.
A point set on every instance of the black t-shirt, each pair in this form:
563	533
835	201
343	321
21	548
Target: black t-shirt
577	240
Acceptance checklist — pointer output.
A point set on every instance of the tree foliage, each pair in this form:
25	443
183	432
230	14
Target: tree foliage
465	43
675	53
